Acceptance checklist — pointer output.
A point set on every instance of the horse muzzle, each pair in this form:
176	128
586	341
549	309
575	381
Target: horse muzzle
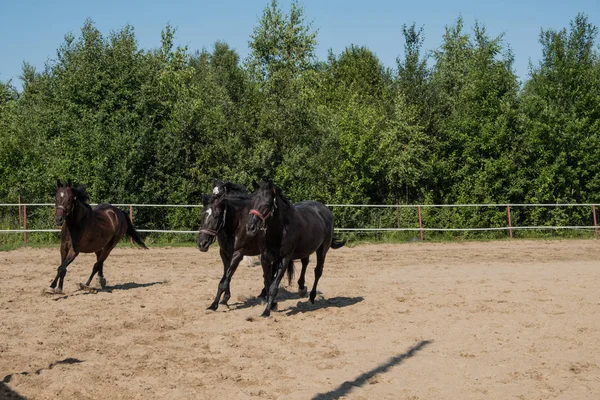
253	226
59	220
204	241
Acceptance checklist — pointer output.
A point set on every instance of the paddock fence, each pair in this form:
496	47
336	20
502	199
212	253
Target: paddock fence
505	220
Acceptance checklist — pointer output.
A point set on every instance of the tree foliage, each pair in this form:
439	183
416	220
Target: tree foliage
450	125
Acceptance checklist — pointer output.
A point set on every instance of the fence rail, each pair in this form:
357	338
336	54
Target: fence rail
421	228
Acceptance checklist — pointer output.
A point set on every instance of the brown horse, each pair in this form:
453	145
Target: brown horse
87	230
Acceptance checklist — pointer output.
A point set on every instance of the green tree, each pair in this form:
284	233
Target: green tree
561	111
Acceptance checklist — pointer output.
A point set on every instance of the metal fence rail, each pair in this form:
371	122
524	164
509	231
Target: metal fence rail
421	229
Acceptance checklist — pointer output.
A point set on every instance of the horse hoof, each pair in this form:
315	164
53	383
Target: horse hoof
302	292
266	314
87	288
102	282
49	291
212	307
274	306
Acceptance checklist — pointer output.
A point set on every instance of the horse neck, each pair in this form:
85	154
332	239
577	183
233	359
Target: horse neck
238	209
80	214
282	215
285	211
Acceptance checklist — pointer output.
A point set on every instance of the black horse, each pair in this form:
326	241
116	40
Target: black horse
291	231
225	217
87	230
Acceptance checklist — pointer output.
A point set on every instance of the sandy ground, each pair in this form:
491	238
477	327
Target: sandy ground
482	320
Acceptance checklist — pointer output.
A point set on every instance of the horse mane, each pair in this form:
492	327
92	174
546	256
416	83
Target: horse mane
236	190
278	191
81	194
285	200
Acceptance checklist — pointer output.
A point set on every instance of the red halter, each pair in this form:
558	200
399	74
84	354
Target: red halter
263	218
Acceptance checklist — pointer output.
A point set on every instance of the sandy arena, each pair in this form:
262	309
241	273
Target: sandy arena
478	320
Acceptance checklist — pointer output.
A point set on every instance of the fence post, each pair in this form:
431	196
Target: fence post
420	222
595	221
25	223
398	213
130	219
20	219
509	221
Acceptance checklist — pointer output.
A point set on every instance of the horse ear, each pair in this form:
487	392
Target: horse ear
205	198
58	183
217	185
271	186
69	183
255	185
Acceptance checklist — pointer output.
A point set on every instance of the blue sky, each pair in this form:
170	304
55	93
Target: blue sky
32	30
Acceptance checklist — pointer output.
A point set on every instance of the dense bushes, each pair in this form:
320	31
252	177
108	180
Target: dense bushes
155	126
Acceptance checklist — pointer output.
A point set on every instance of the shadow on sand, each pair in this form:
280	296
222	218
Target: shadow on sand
283	294
6	393
108	289
334	302
301	306
69	360
347	386
130	285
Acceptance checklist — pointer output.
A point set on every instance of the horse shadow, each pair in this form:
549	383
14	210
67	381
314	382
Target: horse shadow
302	306
282	294
345	388
108	289
334	302
131	285
7	393
8	378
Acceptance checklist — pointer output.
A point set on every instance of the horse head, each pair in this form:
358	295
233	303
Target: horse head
213	220
264	206
64	202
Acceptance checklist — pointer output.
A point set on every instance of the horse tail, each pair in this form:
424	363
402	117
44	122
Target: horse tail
290	271
133	234
336	244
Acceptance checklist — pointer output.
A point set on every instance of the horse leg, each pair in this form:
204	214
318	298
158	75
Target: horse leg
95	269
64	250
226	258
268	275
264	292
321	253
102	257
62	270
235	262
301	288
274	288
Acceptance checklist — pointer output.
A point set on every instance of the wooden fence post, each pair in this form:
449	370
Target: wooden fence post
25	224
398	213
20	219
420	222
595	221
130	219
510	232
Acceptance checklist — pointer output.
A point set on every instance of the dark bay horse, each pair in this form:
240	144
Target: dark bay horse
291	231
87	230
225	216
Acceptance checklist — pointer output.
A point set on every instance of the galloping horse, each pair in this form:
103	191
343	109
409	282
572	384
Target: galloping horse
87	230
225	216
291	231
